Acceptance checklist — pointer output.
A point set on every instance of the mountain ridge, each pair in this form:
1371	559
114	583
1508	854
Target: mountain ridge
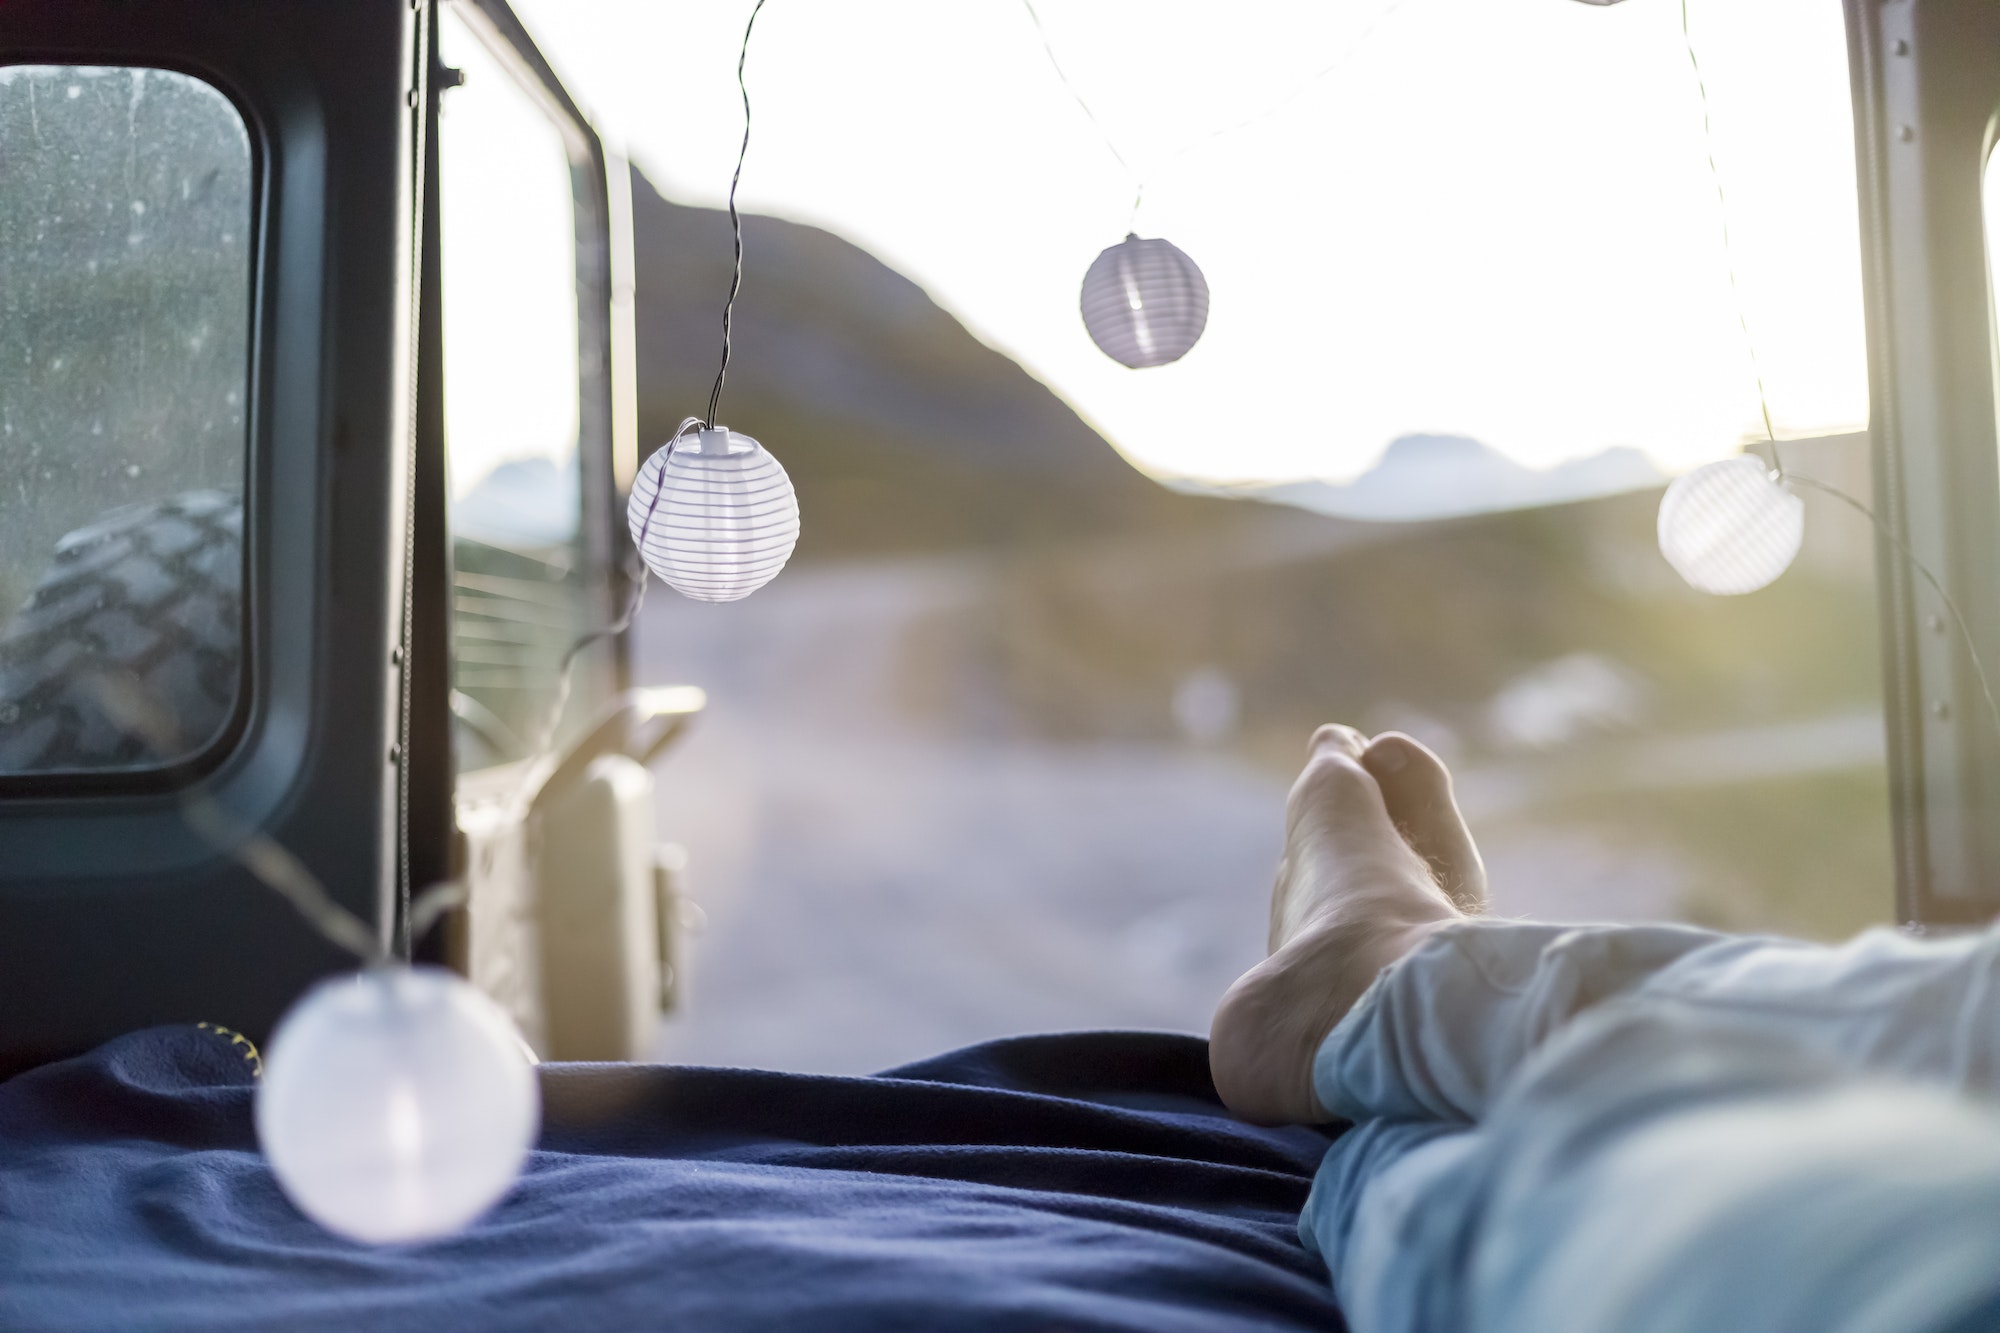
1422	477
900	429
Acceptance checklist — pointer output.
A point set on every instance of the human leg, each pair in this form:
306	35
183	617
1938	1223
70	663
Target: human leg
1377	861
1659	1169
1677	1129
1442	1032
1379	870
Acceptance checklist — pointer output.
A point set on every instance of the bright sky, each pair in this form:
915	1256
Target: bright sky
1495	219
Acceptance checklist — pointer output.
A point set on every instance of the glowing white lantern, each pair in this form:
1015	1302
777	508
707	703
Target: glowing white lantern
714	515
1144	302
397	1104
1730	527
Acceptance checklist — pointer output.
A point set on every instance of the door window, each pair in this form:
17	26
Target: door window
511	377
125	264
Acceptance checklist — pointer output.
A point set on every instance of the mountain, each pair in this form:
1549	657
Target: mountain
900	429
1445	476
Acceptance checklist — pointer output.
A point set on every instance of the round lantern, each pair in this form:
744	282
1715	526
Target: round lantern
714	515
1730	527
1144	302
397	1104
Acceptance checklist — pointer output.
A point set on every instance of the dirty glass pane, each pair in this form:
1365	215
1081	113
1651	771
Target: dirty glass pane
125	244
511	372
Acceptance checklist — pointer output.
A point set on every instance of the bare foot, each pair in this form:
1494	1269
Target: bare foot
1416	787
1353	895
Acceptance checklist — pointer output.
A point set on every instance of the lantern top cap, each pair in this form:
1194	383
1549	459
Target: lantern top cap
716	441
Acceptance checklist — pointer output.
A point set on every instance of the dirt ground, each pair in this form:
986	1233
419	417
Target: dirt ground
878	888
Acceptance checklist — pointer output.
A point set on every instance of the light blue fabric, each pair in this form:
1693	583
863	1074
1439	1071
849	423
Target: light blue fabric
1659	1129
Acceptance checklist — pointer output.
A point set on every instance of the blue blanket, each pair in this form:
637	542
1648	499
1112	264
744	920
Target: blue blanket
1089	1181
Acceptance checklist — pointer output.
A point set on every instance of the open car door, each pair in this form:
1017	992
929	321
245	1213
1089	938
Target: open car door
238	567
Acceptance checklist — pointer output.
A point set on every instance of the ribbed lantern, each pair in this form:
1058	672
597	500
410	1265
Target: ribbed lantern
714	515
1144	302
397	1104
1730	527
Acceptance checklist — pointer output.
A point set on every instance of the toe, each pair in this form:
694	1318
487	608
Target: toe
1333	738
1416	788
1335	794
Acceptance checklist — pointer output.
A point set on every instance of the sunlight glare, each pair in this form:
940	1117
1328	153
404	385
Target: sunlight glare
1495	220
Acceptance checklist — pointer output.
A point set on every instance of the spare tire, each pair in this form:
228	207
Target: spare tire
150	594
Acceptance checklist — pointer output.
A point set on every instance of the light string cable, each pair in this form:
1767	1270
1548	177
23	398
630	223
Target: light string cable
1283	103
1778	468
1910	558
406	650
1062	76
276	867
1728	245
735	221
635	573
636	570
1140	182
271	863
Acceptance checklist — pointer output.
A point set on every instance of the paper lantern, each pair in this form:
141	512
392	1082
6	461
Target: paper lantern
1144	302
1730	527
713	514
397	1104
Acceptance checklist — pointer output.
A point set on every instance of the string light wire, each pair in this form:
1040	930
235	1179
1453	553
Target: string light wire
566	671
1779	471
1728	245
1895	540
545	742
1140	182
268	861
1270	112
735	221
1110	145
423	92
637	572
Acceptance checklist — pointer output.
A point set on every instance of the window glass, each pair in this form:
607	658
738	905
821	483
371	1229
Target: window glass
511	371
125	263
